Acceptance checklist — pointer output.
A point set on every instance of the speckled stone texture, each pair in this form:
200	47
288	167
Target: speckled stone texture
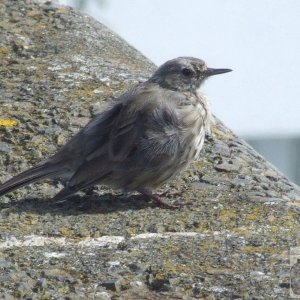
230	240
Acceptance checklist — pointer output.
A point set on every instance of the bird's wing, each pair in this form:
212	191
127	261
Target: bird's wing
148	114
145	123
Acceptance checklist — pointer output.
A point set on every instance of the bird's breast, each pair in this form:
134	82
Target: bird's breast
195	119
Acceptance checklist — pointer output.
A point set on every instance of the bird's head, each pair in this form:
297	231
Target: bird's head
184	74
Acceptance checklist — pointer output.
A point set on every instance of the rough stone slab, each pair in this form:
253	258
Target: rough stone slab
231	240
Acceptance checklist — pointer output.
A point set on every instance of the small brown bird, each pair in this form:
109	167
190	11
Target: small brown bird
139	142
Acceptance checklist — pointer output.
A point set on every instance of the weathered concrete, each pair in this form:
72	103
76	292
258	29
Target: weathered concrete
232	238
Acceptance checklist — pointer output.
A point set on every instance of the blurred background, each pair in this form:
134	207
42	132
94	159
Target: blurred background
259	40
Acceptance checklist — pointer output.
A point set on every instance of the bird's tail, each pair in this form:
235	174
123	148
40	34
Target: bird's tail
29	176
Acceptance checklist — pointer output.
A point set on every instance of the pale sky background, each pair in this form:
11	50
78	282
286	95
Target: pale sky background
258	39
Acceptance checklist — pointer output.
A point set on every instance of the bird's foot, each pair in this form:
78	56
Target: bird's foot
163	202
159	199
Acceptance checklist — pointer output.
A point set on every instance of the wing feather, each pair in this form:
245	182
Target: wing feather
141	132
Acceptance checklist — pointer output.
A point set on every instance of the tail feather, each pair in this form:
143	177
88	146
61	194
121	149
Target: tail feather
29	176
64	193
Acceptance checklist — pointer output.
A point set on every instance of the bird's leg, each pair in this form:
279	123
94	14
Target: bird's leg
166	193
157	198
162	194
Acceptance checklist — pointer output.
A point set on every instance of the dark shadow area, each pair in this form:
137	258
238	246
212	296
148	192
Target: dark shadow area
76	205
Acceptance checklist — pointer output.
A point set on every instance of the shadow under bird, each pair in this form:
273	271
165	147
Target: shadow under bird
143	139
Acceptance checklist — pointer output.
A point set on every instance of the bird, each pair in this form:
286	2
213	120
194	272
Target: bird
139	141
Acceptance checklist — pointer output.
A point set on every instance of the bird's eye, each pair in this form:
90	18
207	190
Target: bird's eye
187	72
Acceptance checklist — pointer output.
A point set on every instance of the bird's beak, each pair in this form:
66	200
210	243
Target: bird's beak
211	71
